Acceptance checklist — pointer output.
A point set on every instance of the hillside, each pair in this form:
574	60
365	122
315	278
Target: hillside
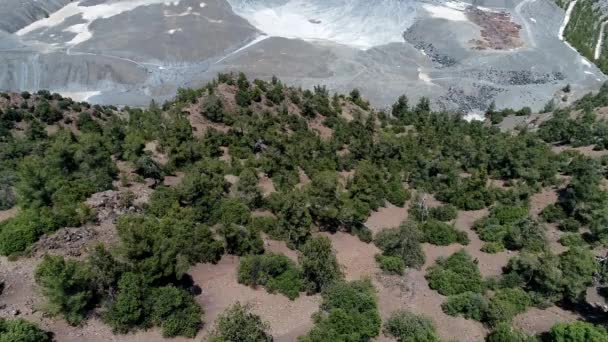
252	208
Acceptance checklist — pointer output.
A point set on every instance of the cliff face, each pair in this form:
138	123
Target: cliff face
17	14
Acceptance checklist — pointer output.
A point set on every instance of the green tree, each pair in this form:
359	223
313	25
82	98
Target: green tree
66	286
128	310
20	330
403	242
505	333
577	332
408	327
320	267
238	323
349	313
454	275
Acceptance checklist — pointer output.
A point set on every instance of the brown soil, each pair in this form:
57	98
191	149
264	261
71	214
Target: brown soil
387	217
489	264
175	180
325	133
498	31
288	319
409	292
153	148
540	200
266	185
279	247
7	214
535	321
553	234
225	154
304	179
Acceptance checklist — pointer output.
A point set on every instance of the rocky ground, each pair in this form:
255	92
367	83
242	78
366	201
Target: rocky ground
128	52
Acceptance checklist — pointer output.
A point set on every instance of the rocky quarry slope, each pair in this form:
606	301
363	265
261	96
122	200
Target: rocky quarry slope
462	55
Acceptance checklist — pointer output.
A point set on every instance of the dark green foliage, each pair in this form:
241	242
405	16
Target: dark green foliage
349	313
569	225
566	276
505	304
294	216
391	264
403	242
67	288
577	332
408	327
165	248
20	330
444	213
274	271
175	311
86	123
128	310
241	240
510	227
149	168
454	275
105	270
553	213
470	305
572	240
233	211
504	332
320	267
469	193
442	234
238	323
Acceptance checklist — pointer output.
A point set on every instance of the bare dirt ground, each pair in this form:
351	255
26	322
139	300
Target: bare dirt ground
7	214
498	31
288	319
387	217
410	292
536	321
266	185
153	147
174	180
540	200
489	264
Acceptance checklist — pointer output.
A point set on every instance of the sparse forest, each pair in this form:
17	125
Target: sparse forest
259	160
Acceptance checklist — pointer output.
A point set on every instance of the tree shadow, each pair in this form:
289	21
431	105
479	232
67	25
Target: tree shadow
590	313
188	284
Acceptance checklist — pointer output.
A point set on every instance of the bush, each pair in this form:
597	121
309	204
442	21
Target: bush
391	264
175	311
470	305
454	275
505	333
572	240
569	225
444	213
505	304
442	234
553	213
492	247
577	332
242	240
66	286
20	330
408	327
238	323
320	267
275	271
402	242
128	310
349	313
